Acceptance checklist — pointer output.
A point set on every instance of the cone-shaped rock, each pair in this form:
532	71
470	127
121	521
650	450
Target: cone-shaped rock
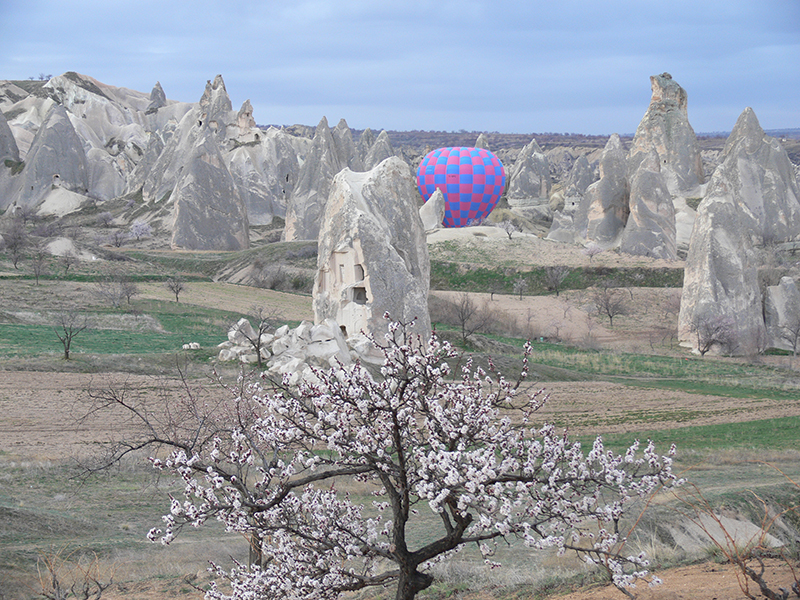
307	203
379	151
650	230
606	202
8	145
782	314
530	176
761	179
158	99
209	212
373	255
720	278
56	157
665	127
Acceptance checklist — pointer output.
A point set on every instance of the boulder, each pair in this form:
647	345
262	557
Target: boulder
720	277
761	179
782	314
603	213
241	333
432	212
307	202
209	213
665	127
650	230
373	255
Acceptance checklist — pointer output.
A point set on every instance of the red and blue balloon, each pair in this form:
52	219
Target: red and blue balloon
471	180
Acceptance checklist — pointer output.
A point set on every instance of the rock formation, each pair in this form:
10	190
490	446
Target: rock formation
8	146
209	213
346	147
365	142
307	202
564	228
720	278
482	142
432	212
650	229
757	172
665	127
373	256
158	99
56	158
782	314
529	179
606	202
380	150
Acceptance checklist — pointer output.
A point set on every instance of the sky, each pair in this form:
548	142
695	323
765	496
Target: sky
508	66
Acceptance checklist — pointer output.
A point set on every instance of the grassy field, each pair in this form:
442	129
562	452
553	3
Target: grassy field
46	511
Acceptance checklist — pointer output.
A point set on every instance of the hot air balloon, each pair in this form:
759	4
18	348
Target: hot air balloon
471	179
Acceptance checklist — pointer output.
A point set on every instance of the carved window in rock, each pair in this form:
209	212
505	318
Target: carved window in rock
360	295
359	272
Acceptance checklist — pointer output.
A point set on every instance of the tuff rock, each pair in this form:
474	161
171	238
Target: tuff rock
665	127
720	276
373	255
606	202
650	229
433	211
782	314
757	172
209	213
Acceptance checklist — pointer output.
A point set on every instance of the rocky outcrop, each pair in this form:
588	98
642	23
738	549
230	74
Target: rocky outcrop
346	147
373	256
720	277
761	180
482	142
158	99
216	111
665	127
365	142
782	315
380	150
8	145
529	178
650	229
606	202
433	211
307	202
209	213
564	227
56	158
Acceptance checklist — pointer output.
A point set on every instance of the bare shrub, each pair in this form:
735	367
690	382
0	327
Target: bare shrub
610	302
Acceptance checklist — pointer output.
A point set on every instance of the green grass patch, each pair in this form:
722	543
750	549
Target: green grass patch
774	434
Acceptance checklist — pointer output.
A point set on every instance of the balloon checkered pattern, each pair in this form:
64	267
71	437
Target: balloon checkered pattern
471	180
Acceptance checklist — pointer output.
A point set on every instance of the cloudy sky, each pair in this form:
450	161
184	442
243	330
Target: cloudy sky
513	66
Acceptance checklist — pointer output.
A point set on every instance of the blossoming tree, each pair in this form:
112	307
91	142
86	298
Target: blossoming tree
273	463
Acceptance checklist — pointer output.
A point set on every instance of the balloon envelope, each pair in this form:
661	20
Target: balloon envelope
471	180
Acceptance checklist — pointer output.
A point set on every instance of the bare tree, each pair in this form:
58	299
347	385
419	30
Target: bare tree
38	261
592	250
68	260
68	323
176	286
116	289
104	219
521	286
67	573
471	317
117	238
15	240
714	331
264	319
508	226
555	276
610	302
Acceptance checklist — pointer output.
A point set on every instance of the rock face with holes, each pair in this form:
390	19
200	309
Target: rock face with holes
373	255
665	128
650	230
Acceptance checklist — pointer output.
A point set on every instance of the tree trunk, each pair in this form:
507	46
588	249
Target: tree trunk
411	583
